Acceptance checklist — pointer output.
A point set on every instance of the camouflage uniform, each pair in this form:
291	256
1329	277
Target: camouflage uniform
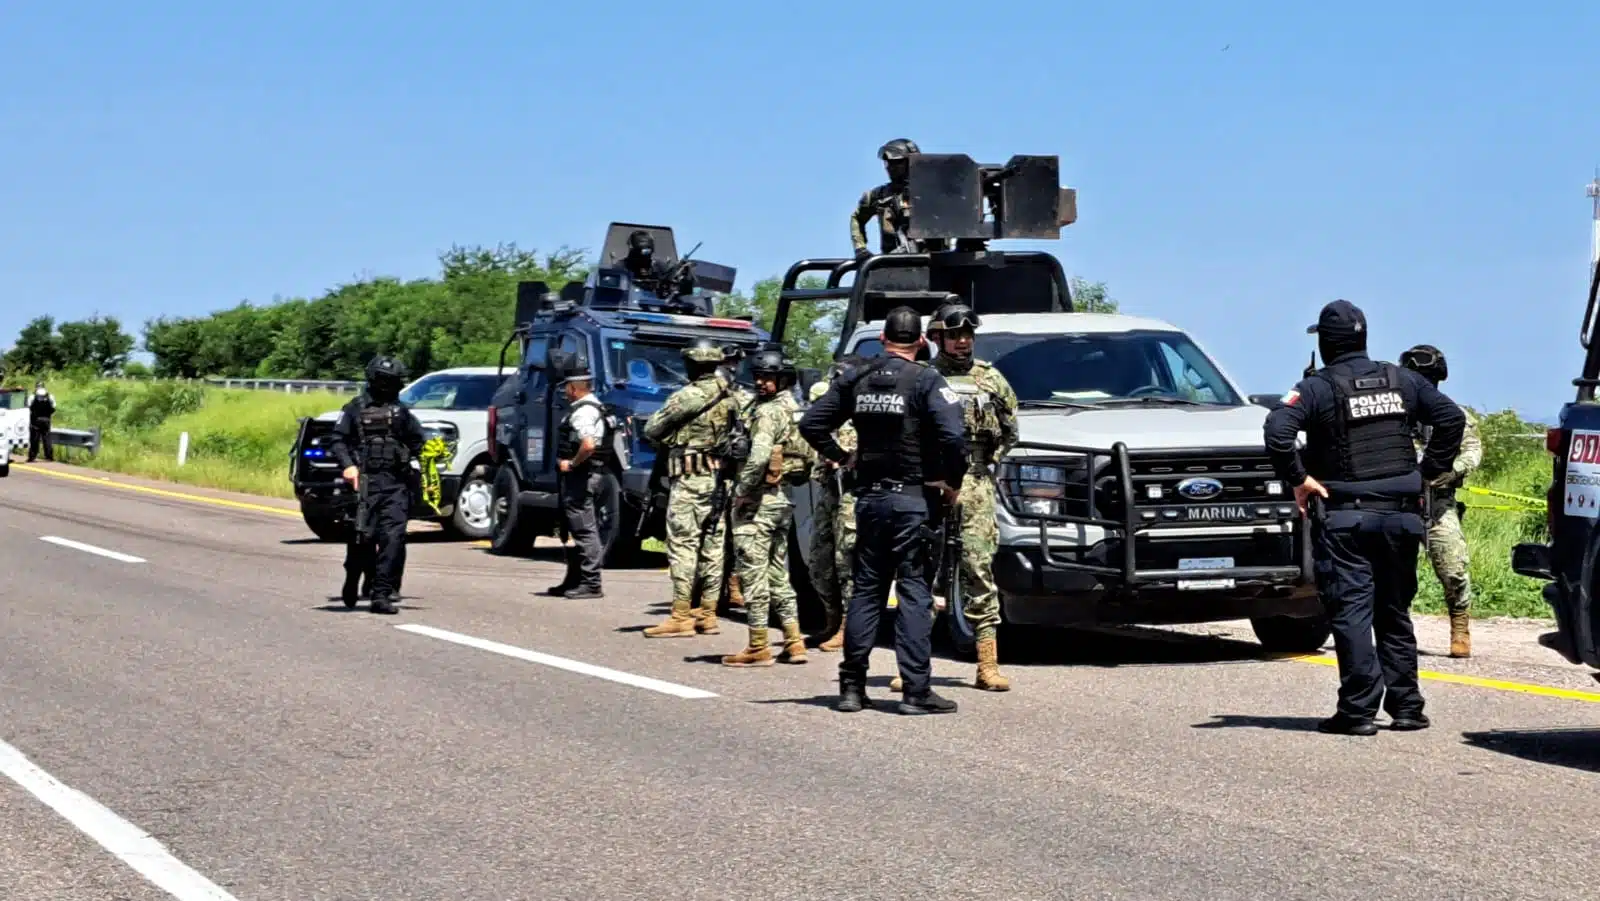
833	536
694	552
761	528
889	203
745	397
1447	546
991	414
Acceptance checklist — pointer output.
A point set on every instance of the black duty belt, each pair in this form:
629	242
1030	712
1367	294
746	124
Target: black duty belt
890	485
1377	505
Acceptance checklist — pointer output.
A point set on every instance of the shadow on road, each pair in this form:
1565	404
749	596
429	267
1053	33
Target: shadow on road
1112	647
1578	749
1278	723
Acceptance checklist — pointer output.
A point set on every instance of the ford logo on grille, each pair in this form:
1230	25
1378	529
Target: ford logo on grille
1200	489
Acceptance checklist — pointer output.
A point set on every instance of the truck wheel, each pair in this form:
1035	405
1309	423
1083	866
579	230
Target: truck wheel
1292	634
325	524
510	530
5	468
812	616
471	519
615	523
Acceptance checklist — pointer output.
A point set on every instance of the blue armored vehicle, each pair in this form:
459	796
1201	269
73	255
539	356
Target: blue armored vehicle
629	325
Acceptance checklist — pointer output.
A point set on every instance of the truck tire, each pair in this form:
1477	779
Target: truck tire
5	468
511	529
617	522
472	518
1292	634
324	523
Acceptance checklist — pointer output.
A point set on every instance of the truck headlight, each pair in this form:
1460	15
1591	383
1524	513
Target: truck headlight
1274	488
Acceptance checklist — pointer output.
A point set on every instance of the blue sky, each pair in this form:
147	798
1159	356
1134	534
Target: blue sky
1237	166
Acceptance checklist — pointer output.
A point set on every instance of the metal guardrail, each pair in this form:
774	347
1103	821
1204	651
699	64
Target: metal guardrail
288	386
89	439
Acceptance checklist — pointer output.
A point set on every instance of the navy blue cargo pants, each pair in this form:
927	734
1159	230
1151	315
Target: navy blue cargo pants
890	548
1366	570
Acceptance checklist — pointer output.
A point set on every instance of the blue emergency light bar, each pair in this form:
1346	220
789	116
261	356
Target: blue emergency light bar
670	319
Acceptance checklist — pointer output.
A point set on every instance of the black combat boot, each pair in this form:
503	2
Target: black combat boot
384	604
583	593
1339	724
926	703
852	696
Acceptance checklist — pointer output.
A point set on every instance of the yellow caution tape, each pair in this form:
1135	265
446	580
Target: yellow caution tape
435	451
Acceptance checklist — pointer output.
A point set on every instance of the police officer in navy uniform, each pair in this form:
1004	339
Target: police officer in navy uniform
378	442
912	439
1359	481
582	453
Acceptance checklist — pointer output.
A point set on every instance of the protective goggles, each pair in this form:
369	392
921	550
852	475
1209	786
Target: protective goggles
1420	358
959	319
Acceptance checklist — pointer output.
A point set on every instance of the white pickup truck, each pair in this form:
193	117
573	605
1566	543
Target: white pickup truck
1130	430
13	427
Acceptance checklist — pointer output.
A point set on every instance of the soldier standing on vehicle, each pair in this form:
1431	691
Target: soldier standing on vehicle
989	407
911	440
833	524
582	452
891	205
693	427
378	442
762	512
1358	479
650	273
41	408
1447	546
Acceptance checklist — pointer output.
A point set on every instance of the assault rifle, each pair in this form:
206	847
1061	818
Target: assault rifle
667	287
945	552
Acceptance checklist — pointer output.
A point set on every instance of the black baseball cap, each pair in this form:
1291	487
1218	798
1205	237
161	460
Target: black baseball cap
902	326
1340	318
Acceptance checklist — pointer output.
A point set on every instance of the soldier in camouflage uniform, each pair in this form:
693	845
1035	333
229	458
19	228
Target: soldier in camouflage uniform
691	427
833	528
991	415
888	202
1447	546
762	512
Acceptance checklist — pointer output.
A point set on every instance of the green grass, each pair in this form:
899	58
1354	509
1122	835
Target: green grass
239	441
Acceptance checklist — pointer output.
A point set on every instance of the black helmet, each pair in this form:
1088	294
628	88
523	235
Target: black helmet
772	362
1426	361
897	149
641	241
951	315
386	370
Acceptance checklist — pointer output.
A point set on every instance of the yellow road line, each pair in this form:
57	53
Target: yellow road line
215	501
1496	684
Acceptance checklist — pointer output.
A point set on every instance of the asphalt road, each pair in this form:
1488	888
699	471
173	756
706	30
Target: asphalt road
205	688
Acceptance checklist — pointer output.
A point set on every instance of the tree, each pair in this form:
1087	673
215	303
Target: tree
37	348
811	331
1091	297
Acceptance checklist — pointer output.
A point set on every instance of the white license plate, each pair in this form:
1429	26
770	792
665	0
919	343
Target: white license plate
1204	563
1204	584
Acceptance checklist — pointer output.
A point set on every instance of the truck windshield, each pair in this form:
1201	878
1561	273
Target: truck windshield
444	391
1100	369
658	365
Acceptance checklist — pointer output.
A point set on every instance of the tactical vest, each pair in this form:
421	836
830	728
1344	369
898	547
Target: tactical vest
1374	435
43	407
888	427
378	431
981	418
568	440
791	456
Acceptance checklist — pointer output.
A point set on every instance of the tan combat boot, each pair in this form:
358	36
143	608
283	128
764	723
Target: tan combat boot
735	593
1460	634
989	678
706	621
794	644
833	642
679	623
757	654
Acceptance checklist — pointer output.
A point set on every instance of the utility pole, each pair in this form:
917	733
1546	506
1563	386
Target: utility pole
1594	241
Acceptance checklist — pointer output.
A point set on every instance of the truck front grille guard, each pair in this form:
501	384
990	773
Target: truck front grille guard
1129	526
